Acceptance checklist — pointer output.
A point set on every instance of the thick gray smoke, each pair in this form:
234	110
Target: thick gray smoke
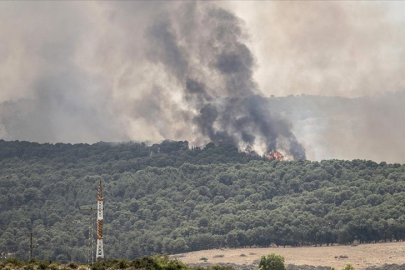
328	48
205	45
136	70
84	71
343	128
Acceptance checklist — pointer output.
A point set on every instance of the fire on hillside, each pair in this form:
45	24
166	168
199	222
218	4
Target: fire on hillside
275	155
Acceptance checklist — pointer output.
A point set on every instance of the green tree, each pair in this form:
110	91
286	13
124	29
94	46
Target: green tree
272	262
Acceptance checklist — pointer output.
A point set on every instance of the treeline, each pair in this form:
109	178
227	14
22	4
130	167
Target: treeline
124	156
182	199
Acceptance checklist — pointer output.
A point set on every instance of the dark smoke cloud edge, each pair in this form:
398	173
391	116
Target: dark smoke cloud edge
137	70
232	111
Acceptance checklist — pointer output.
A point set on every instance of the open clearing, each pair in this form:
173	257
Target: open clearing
360	256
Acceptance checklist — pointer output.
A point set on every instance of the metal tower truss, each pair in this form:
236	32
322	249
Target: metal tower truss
100	221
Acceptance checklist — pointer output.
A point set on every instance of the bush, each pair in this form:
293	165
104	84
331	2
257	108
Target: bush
221	267
122	264
98	266
145	262
43	265
348	267
219	256
33	261
203	259
29	267
14	261
72	265
106	264
272	262
158	263
53	266
109	263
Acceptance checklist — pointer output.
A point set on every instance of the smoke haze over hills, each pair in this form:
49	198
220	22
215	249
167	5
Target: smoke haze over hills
118	71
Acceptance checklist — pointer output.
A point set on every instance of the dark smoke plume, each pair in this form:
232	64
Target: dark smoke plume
116	71
208	47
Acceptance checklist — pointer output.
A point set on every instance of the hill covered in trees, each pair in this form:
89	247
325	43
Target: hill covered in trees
170	198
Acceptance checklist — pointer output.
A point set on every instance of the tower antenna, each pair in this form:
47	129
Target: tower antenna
100	221
91	252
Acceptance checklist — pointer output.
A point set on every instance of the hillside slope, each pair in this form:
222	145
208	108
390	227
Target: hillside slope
168	198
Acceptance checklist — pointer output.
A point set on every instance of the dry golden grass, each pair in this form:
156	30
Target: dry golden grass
360	256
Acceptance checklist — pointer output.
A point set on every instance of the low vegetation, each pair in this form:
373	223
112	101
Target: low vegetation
157	262
272	262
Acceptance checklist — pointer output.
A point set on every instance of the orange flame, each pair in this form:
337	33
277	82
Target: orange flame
275	156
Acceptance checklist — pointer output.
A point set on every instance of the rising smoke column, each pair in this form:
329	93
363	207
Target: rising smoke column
202	48
122	70
89	71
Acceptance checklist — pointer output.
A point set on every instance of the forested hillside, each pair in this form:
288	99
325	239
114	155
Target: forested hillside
168	198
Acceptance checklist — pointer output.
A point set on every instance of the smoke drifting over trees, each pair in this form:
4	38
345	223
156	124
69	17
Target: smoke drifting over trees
203	89
148	71
203	50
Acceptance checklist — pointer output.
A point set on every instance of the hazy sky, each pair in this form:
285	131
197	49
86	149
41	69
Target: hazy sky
333	48
117	71
348	48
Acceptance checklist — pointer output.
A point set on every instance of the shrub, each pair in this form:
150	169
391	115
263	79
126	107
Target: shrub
219	256
98	266
43	265
122	264
348	267
203	259
221	267
109	263
158	262
53	266
145	262
72	265
33	261
29	267
14	261
272	262
242	255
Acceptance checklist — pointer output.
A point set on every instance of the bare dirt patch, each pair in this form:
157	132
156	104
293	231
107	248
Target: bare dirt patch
361	256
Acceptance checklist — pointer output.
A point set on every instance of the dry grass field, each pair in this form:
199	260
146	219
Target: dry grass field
360	256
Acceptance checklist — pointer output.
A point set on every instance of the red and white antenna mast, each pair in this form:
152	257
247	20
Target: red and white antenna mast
100	221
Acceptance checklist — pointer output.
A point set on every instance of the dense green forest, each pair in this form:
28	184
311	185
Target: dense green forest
170	198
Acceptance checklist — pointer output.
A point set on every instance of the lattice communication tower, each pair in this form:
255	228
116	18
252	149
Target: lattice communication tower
100	221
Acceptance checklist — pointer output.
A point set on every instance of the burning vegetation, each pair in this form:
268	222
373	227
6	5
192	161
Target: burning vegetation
214	72
275	155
